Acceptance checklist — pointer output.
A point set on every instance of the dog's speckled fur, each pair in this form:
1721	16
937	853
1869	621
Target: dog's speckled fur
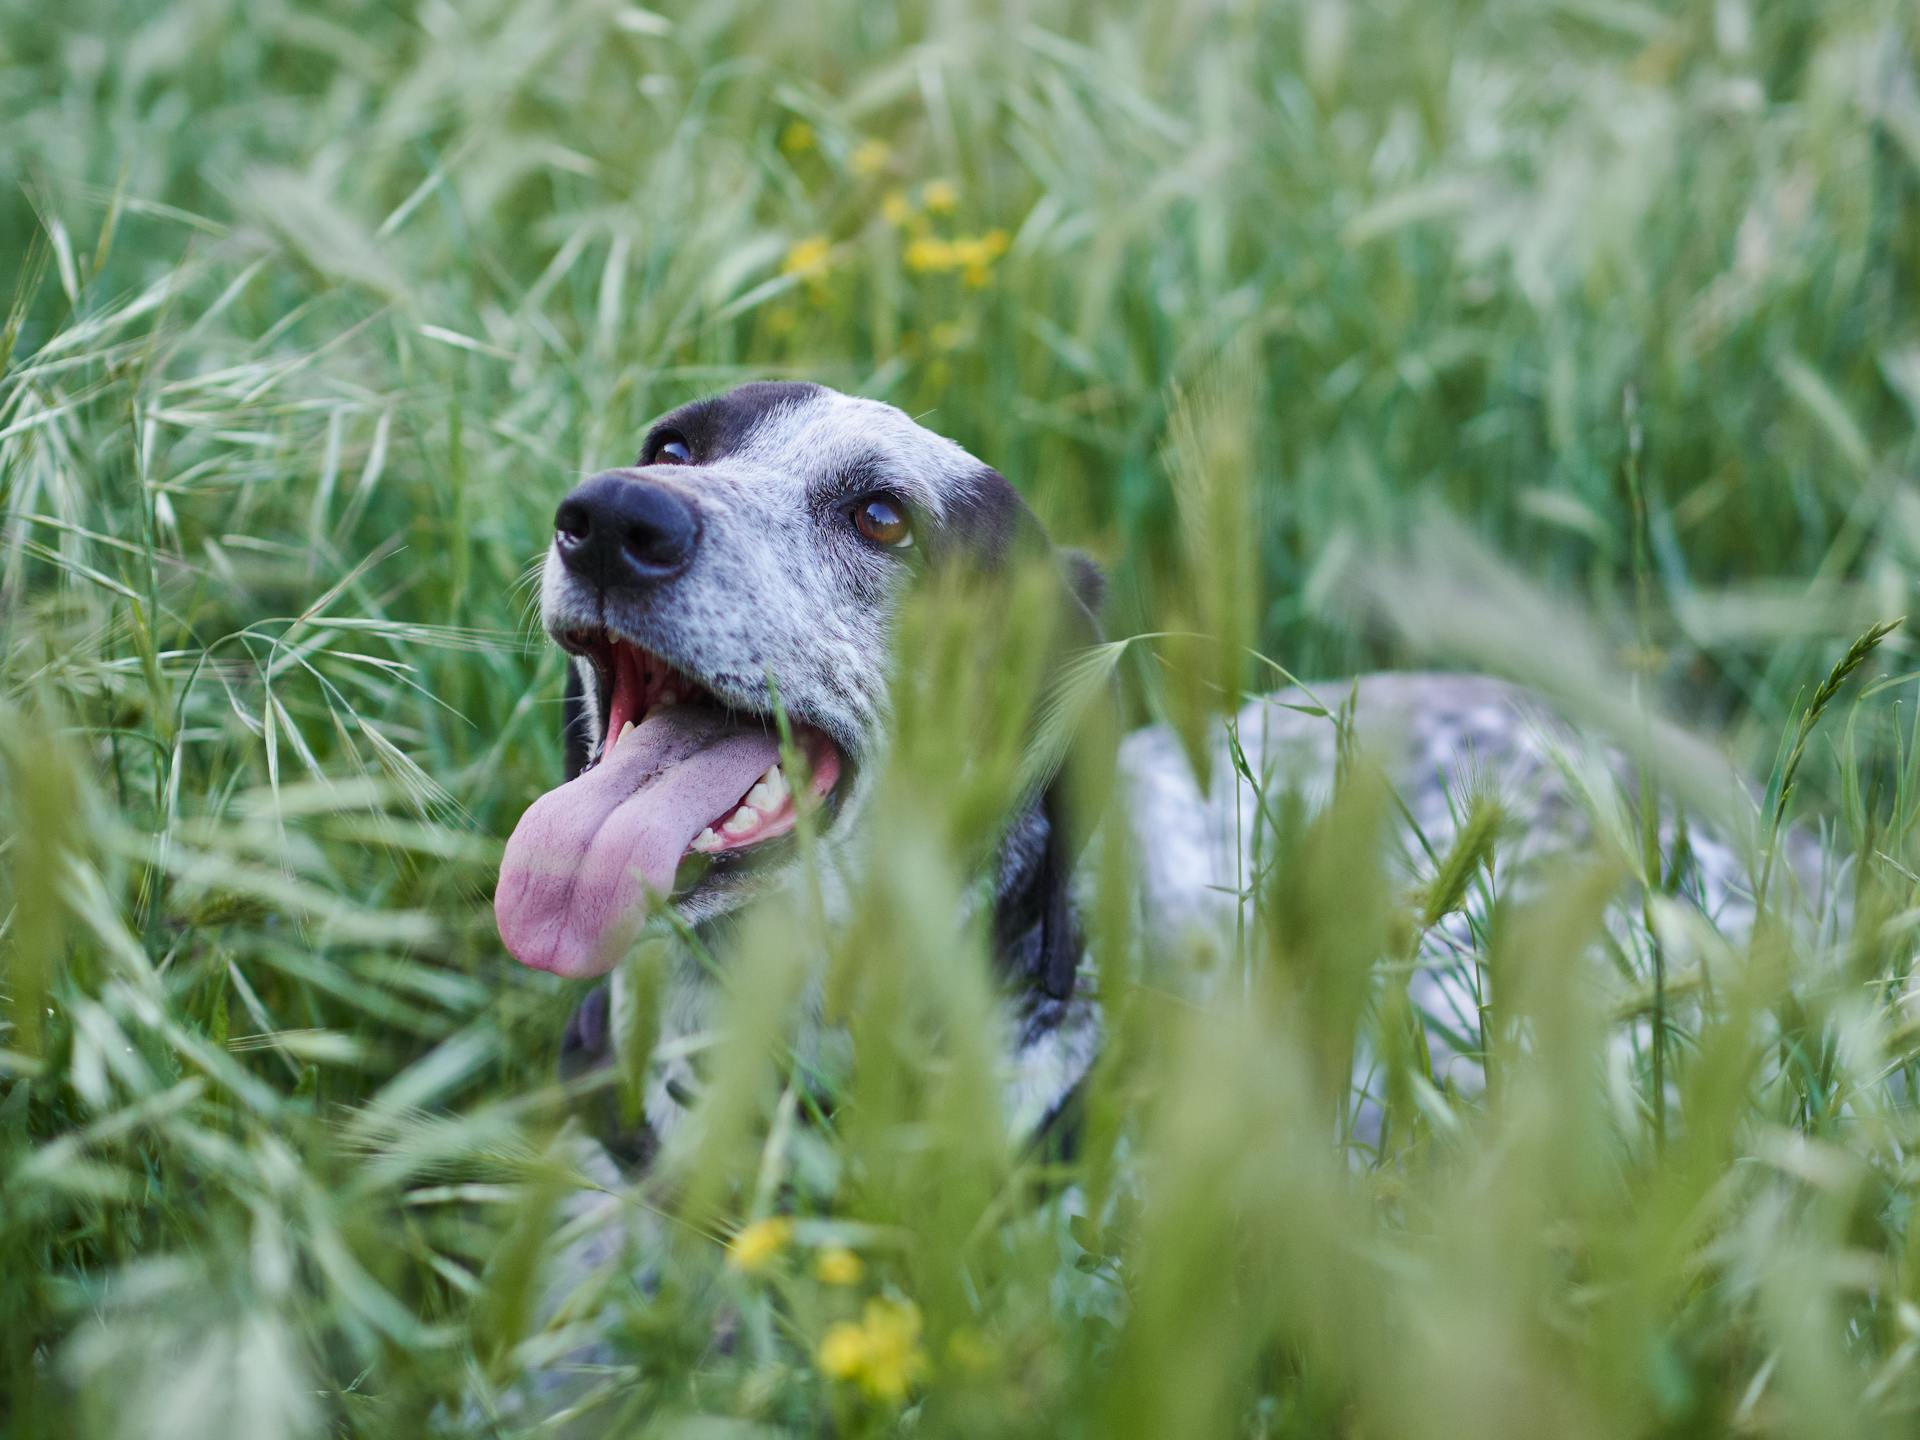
781	588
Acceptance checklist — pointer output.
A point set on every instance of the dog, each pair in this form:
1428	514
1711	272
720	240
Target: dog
761	546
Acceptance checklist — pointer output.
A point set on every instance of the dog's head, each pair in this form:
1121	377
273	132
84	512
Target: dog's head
756	555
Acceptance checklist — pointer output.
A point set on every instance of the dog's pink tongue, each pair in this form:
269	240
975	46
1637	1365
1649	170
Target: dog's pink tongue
578	869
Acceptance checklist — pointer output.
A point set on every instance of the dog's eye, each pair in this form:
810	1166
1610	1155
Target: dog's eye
672	450
883	521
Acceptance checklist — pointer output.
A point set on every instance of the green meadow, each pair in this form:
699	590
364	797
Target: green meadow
1573	340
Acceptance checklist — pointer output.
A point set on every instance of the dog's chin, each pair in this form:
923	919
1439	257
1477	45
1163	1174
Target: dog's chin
706	890
709	903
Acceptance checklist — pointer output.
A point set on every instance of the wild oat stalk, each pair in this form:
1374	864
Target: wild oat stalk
1837	677
1856	656
1471	852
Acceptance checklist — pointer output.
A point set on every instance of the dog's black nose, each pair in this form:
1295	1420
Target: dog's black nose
619	530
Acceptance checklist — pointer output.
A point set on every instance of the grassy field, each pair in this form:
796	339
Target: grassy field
312	311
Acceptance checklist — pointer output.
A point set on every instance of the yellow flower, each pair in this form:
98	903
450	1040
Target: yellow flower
808	256
797	137
843	1350
897	209
894	1359
973	258
940	196
869	158
881	1353
838	1266
754	1248
971	255
929	252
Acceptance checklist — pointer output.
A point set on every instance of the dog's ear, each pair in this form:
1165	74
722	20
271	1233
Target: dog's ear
1035	930
1036	935
1060	937
576	734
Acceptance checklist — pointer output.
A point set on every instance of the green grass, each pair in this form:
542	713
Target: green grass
313	311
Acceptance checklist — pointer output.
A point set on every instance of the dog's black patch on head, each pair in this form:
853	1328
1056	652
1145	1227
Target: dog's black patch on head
992	528
717	426
987	524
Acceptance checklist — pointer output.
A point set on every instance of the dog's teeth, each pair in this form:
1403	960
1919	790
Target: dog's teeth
625	730
769	792
741	821
706	840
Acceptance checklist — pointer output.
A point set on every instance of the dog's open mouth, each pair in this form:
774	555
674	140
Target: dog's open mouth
678	776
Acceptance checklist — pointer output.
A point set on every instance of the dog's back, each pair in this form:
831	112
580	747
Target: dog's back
1439	739
1445	743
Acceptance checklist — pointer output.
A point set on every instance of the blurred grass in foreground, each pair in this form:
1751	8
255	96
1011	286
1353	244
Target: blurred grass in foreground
314	312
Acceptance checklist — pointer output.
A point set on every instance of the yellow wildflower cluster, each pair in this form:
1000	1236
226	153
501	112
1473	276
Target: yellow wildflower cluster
880	1352
971	255
837	1266
808	256
897	208
757	1245
924	252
